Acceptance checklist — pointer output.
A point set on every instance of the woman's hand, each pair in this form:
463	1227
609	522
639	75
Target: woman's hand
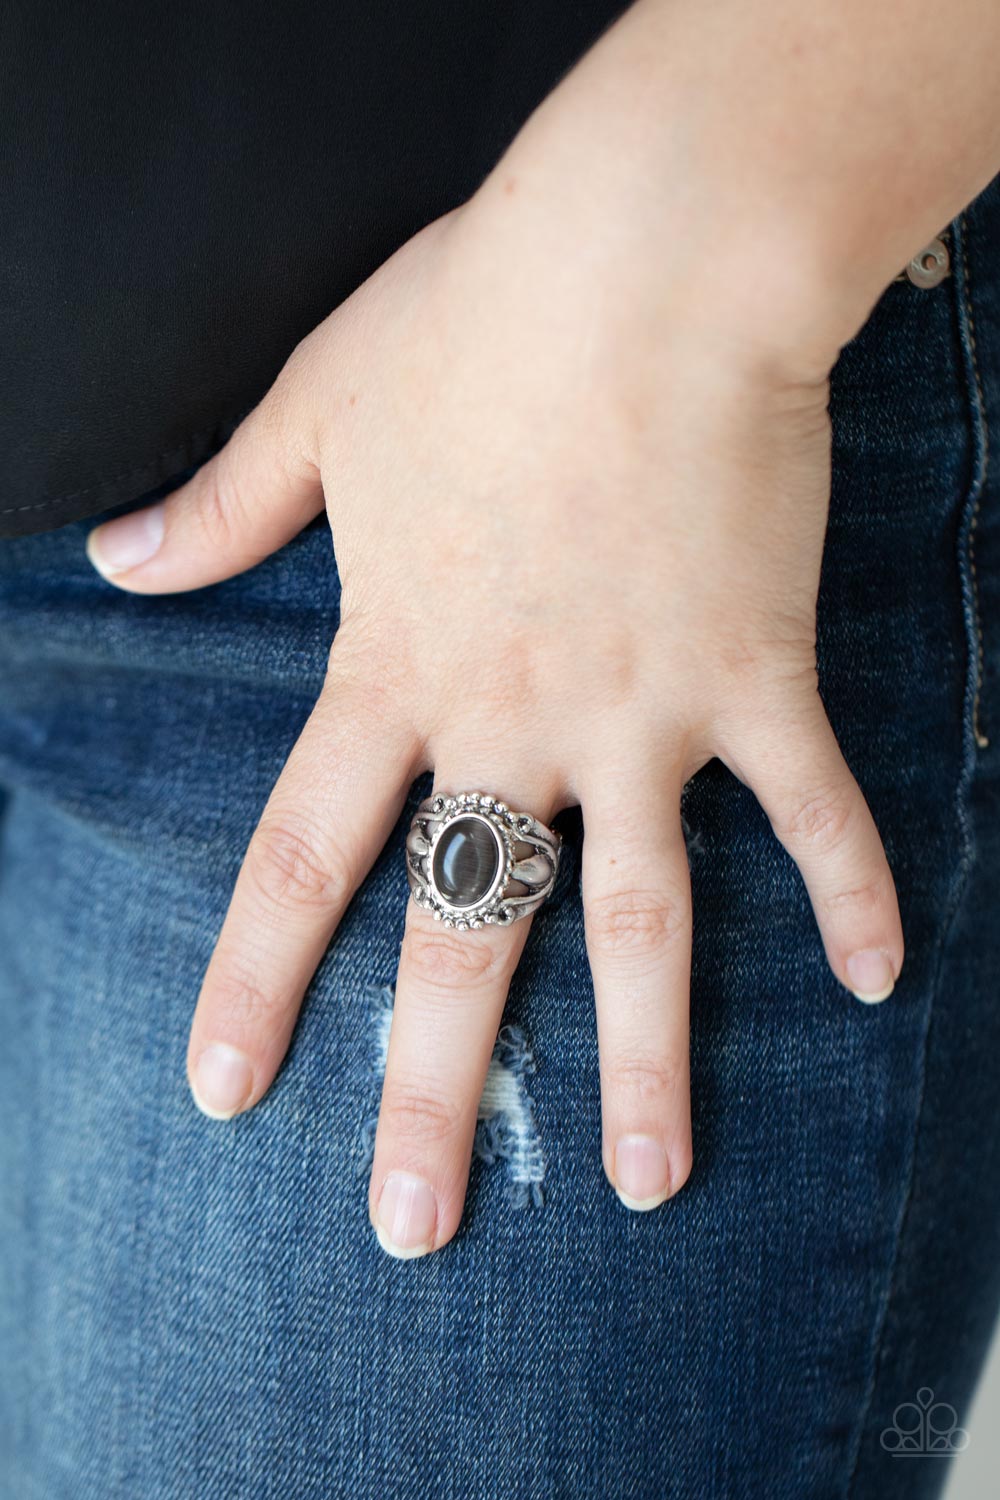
577	478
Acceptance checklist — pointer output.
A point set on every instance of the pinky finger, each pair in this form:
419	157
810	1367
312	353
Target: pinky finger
818	812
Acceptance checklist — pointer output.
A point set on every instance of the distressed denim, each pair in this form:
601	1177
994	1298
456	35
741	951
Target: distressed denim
196	1309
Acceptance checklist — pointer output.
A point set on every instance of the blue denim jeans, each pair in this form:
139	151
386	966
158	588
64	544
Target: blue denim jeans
196	1309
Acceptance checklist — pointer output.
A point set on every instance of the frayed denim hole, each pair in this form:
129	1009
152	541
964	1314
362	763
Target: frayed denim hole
506	1130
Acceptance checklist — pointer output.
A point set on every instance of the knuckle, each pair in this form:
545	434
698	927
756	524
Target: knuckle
820	819
513	686
291	865
283	434
509	693
644	1079
438	958
369	670
871	895
240	1006
413	1115
635	922
273	415
221	512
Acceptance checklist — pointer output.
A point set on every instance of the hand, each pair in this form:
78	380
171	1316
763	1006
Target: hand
578	512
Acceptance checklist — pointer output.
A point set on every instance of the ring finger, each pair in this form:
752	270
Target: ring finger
450	993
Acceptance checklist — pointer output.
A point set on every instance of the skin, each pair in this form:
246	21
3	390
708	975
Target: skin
570	389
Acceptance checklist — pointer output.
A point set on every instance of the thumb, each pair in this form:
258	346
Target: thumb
248	500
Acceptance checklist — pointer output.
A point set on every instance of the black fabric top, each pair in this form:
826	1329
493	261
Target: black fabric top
189	189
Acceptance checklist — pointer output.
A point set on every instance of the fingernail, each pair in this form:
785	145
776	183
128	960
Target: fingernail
642	1172
407	1214
871	975
223	1081
127	542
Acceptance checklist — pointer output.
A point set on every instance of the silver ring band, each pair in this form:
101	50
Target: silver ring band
472	860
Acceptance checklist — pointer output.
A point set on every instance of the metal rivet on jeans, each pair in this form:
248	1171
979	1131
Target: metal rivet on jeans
930	266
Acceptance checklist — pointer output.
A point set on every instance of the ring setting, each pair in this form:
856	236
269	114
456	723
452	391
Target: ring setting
471	860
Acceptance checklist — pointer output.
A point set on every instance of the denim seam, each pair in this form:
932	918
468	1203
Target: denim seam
971	740
983	436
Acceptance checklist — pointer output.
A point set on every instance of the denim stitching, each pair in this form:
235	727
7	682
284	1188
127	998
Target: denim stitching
970	506
976	394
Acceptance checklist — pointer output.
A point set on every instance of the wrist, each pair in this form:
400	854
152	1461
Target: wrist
673	253
647	200
759	157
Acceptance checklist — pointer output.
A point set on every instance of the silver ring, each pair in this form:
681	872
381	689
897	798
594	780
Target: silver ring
472	860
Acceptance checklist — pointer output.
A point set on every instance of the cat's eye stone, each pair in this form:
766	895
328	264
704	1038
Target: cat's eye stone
466	861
